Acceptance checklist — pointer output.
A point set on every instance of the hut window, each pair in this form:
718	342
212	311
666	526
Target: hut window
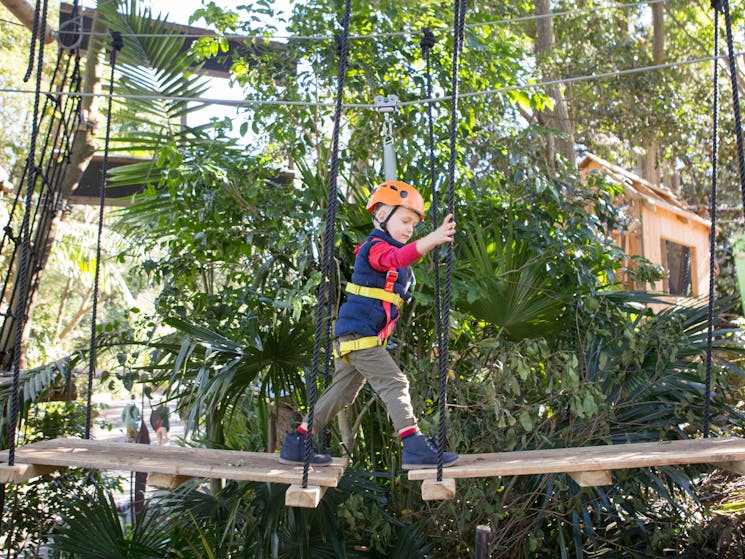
678	260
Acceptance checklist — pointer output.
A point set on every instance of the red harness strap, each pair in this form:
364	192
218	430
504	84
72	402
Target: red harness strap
390	280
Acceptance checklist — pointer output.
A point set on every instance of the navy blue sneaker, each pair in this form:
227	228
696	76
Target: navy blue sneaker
293	452
421	452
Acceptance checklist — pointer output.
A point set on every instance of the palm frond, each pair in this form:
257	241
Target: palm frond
508	285
34	385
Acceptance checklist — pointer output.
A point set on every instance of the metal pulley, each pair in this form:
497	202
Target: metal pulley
386	106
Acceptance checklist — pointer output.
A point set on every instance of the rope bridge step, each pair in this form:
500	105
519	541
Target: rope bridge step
588	466
170	465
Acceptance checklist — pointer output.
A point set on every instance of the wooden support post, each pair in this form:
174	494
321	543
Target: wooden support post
593	478
166	481
18	473
309	497
734	467
483	535
433	490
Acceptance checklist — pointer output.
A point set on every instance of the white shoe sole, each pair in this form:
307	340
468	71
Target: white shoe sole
428	466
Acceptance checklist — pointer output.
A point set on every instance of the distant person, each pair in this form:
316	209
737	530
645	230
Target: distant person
159	422
131	418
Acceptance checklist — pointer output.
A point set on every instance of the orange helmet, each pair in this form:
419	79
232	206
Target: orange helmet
397	193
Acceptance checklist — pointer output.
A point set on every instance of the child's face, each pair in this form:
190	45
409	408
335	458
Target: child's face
401	224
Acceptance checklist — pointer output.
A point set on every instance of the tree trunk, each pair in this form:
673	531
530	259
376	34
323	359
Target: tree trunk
557	118
81	152
649	167
84	145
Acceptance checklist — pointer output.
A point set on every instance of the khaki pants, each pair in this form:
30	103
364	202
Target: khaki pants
376	366
132	433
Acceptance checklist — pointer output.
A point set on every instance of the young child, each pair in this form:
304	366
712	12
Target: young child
381	283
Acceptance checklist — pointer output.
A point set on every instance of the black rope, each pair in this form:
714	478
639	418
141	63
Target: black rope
459	16
326	288
713	232
116	44
735	100
34	37
57	134
427	42
22	282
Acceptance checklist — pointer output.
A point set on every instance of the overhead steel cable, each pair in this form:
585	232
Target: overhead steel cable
413	102
388	34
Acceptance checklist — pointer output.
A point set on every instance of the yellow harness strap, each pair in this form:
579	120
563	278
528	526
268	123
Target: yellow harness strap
342	348
375	293
355	345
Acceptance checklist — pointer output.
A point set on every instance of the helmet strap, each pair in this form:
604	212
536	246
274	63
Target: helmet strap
384	224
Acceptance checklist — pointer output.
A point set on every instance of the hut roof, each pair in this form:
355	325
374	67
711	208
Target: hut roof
637	187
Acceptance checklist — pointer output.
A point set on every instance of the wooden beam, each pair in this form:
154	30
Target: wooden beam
25	14
593	459
19	473
592	479
309	497
433	490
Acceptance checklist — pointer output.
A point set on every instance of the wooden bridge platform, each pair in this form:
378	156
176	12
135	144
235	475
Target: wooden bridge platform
588	466
170	465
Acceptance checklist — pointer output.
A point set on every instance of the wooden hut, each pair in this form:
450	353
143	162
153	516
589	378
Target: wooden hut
663	230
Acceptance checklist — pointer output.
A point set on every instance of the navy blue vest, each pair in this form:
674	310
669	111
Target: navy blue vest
363	315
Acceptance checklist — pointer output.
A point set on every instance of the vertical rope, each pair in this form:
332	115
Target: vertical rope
713	232
459	16
34	37
116	44
21	303
427	42
721	5
735	100
326	288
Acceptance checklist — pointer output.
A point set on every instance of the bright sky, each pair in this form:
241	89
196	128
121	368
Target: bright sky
179	11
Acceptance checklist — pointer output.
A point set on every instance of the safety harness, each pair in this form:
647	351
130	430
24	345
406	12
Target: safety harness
388	298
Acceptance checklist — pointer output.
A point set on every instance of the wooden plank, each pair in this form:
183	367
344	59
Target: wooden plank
18	473
594	458
308	498
433	490
592	479
174	460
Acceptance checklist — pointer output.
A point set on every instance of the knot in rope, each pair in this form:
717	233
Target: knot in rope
428	40
117	41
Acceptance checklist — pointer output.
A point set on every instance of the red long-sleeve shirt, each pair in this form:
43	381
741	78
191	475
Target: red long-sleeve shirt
383	256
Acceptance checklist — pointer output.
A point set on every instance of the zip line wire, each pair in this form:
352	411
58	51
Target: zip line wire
415	102
382	35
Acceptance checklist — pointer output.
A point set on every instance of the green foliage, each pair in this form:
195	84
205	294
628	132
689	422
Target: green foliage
32	510
93	529
544	351
634	378
33	386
